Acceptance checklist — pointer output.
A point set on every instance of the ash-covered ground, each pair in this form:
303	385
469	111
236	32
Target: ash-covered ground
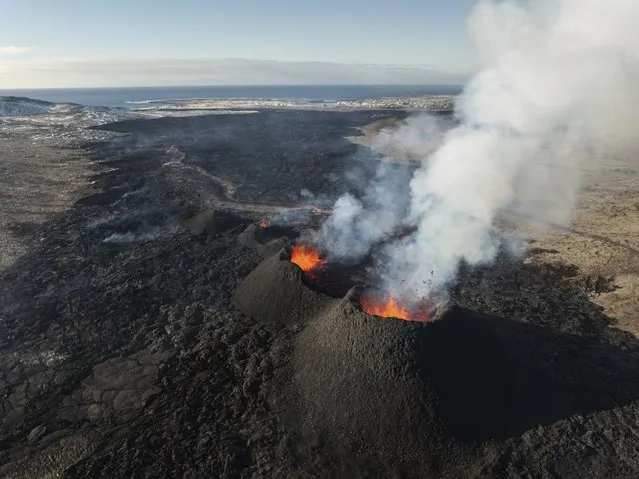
125	351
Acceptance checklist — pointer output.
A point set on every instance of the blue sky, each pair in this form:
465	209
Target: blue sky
47	43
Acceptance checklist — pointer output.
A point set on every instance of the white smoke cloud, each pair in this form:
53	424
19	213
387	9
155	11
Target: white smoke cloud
557	89
416	138
355	225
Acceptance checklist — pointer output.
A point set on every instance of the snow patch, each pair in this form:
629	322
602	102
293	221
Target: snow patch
18	106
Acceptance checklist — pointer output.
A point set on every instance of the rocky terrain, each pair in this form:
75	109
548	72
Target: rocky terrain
126	351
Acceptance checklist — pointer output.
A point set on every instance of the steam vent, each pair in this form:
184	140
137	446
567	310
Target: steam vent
370	382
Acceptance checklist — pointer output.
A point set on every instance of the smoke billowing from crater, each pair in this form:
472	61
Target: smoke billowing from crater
356	224
556	90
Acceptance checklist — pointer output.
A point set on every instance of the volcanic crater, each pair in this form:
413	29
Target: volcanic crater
441	384
351	366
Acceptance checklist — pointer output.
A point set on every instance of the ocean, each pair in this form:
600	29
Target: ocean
134	97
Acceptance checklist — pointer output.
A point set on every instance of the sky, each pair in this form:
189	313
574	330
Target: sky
91	43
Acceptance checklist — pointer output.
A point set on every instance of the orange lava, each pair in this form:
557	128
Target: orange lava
263	224
306	257
388	307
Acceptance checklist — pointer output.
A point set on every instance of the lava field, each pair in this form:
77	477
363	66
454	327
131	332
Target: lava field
162	328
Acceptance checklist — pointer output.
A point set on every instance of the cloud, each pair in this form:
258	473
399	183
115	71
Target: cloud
13	50
69	72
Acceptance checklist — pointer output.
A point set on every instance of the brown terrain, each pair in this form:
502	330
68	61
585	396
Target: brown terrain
603	241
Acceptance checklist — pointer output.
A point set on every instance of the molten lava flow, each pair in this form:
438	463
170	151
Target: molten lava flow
306	257
263	224
388	307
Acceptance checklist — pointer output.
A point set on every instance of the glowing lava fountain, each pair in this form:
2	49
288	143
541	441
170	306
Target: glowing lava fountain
306	257
386	306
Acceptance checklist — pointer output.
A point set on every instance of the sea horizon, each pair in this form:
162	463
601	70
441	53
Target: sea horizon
131	97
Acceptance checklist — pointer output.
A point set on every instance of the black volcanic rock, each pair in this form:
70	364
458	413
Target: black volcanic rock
266	241
210	222
386	388
275	291
397	386
136	362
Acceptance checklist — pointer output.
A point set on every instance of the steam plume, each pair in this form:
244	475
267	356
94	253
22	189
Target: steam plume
557	88
357	224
